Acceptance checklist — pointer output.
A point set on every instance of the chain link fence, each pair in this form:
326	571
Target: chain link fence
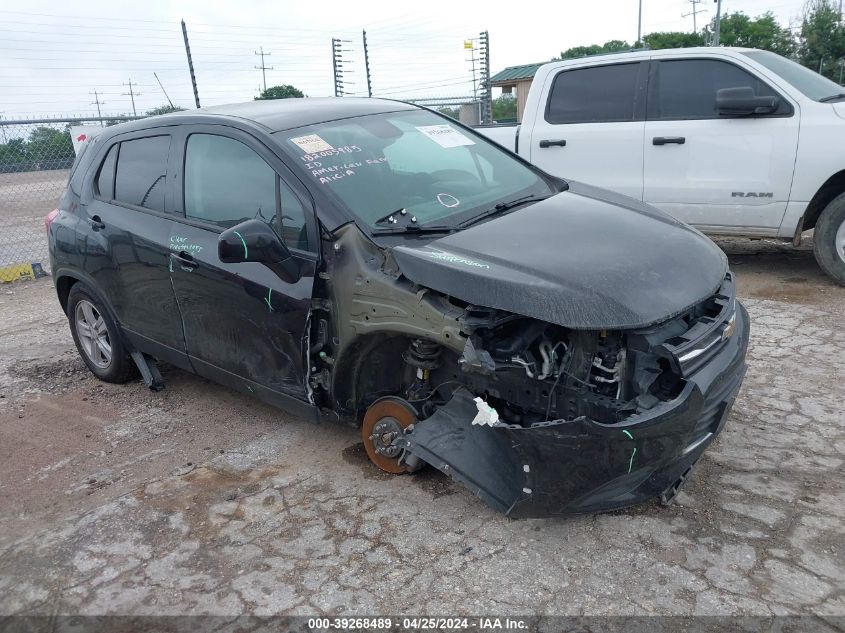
35	160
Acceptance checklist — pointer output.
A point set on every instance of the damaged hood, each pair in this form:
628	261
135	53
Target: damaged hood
586	258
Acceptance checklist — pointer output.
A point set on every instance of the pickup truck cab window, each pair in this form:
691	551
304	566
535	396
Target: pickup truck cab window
413	160
686	89
227	183
594	95
142	172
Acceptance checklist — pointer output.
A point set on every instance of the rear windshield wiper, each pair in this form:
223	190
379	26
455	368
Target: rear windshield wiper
504	206
841	95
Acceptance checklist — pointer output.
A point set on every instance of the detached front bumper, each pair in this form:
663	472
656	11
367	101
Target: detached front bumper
566	467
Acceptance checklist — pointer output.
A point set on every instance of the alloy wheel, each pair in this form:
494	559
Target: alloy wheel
93	334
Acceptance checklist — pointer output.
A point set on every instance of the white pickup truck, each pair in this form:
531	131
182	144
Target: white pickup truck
732	141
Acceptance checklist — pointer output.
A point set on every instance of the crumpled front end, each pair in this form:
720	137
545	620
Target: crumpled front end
536	416
568	466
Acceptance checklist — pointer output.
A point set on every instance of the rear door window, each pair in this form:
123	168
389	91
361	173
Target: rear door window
686	88
105	177
142	172
599	94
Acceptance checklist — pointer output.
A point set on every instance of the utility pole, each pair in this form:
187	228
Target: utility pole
693	13
163	90
470	46
367	65
640	26
718	25
337	64
262	67
190	64
132	94
484	67
98	102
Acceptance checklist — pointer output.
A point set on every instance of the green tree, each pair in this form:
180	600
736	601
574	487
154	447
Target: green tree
673	39
504	107
11	154
612	46
47	143
164	109
822	46
285	91
450	112
738	29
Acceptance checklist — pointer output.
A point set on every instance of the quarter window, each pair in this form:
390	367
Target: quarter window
105	178
227	183
142	172
594	95
686	88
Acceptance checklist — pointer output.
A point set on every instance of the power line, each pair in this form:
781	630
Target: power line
163	90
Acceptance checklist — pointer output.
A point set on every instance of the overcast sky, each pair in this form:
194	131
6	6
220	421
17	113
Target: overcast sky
54	53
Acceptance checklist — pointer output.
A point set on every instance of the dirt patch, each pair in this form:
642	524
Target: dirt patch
44	444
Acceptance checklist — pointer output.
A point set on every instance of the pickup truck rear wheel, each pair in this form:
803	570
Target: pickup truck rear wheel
829	239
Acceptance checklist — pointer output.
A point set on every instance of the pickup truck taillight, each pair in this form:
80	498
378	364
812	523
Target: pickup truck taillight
49	219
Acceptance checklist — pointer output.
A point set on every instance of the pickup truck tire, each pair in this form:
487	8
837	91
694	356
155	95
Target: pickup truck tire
97	337
829	239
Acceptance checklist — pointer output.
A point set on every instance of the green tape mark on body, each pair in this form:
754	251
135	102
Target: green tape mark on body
243	241
269	299
633	452
631	461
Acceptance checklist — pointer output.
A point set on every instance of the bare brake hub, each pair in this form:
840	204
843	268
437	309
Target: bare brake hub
385	421
385	431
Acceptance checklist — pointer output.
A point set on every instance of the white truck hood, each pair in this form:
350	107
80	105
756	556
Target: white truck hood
839	108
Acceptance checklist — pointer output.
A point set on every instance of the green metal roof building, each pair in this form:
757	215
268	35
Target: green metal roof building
516	78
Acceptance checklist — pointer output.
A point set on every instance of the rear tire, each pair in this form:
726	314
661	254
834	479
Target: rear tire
829	239
97	337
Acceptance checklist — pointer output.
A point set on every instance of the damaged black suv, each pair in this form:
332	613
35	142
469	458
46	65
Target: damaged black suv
555	347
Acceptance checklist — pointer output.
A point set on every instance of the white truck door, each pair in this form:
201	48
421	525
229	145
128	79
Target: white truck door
716	172
591	126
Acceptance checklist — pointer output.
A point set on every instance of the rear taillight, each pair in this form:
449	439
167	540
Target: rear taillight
49	219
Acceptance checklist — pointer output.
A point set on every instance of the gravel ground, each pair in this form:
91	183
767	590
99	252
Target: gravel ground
25	198
201	500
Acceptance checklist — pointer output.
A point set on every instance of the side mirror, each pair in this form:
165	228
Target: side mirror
743	102
254	241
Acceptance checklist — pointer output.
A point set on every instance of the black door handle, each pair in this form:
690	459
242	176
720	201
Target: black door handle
667	140
185	259
550	143
96	223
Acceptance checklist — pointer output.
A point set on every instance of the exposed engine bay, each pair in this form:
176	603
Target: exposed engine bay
406	352
419	345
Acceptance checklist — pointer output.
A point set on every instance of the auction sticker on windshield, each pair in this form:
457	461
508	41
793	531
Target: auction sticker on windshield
311	144
445	135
